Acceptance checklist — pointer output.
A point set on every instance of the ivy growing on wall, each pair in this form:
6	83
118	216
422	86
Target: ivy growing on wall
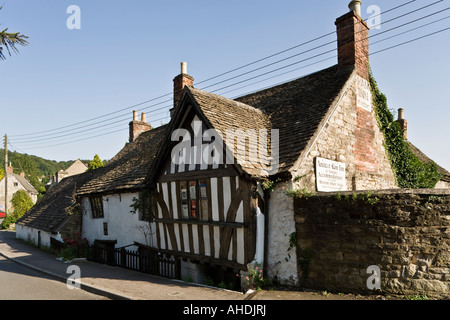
409	170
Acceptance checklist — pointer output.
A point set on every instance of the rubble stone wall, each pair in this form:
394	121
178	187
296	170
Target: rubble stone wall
405	233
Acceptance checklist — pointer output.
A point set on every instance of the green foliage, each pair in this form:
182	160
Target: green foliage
409	170
96	163
298	177
255	279
21	203
8	221
304	259
34	167
68	253
145	205
292	244
75	247
209	281
269	185
436	199
292	241
364	197
303	193
10	41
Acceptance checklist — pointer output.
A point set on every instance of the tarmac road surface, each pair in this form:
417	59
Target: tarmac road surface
18	282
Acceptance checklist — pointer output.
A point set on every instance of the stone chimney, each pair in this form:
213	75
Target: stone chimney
10	169
137	127
403	123
353	40
179	82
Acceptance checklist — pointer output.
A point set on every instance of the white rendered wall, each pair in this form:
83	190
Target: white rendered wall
32	235
123	226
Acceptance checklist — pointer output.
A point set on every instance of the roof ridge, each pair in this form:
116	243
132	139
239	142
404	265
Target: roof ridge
241	104
286	82
23	180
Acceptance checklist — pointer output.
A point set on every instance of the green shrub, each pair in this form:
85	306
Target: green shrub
8	221
409	170
68	253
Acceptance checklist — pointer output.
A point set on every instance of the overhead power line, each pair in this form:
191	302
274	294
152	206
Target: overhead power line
65	128
240	82
121	130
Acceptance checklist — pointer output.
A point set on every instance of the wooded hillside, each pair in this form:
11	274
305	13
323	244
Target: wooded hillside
37	170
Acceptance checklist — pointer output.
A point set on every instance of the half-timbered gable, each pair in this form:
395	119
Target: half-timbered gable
205	181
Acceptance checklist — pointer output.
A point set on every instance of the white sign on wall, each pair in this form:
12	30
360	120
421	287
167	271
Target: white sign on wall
330	175
364	94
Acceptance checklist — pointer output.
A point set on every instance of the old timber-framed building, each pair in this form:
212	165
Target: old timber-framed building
209	188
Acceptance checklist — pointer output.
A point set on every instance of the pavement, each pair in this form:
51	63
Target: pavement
112	282
121	284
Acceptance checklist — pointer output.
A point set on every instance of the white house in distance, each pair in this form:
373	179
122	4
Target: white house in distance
16	182
76	168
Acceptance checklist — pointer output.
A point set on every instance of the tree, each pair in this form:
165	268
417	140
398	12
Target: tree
10	40
96	163
21	203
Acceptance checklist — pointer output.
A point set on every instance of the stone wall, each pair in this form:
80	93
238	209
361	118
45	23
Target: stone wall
72	225
351	136
281	262
443	185
406	233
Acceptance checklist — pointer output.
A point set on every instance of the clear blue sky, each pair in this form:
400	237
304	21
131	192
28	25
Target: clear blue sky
128	52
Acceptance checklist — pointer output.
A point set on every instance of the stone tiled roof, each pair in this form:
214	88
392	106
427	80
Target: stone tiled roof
55	207
125	172
297	108
235	119
26	184
128	169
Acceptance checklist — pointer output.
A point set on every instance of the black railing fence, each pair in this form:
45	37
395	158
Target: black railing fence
143	259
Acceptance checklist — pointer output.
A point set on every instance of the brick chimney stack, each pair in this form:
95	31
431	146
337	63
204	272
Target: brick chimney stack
137	127
353	40
403	123
179	82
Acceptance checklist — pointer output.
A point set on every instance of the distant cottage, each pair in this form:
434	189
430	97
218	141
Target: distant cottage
16	182
209	190
76	168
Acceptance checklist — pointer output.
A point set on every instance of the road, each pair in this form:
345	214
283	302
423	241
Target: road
18	282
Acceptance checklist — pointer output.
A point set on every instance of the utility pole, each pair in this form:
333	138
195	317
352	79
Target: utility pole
6	174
